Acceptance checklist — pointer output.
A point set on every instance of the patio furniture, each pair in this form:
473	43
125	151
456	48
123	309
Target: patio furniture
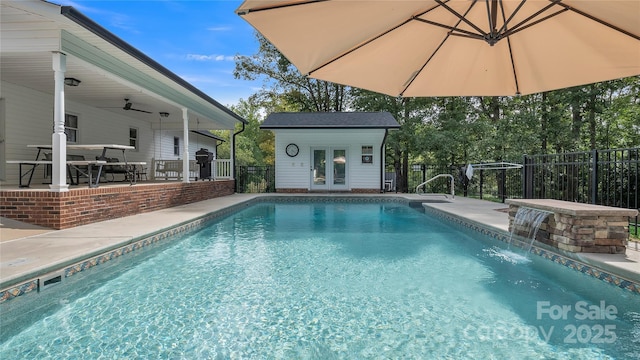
390	181
127	168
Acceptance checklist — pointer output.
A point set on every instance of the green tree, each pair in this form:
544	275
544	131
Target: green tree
253	145
284	86
402	145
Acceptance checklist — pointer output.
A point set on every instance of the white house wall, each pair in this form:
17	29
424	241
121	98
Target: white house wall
29	120
295	173
163	148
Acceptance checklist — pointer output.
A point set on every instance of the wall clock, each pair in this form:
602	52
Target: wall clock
292	150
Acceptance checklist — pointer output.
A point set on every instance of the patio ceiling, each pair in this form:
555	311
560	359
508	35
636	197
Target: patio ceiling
109	69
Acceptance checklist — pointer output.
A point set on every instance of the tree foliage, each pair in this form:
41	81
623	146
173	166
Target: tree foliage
285	86
453	131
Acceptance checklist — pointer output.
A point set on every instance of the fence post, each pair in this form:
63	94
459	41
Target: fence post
503	187
594	176
481	182
527	177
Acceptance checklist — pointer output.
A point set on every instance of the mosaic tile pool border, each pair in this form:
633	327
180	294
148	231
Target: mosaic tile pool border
34	284
143	243
573	264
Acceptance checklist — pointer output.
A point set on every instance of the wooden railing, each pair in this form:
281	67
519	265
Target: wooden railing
222	168
172	169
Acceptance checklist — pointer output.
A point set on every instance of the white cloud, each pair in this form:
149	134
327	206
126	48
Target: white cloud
212	57
219	28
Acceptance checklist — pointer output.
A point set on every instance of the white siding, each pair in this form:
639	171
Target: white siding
29	120
295	173
163	149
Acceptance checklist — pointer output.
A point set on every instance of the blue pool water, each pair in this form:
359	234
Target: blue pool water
339	281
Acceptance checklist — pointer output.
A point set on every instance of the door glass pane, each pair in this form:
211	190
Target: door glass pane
339	166
319	167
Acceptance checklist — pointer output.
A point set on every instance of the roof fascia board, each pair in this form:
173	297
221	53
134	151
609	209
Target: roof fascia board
98	30
72	45
284	127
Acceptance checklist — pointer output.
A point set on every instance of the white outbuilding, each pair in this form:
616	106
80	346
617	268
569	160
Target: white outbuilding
330	151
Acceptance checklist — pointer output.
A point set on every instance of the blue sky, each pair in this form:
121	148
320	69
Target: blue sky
195	39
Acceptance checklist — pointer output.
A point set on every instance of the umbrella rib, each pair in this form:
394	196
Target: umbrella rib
492	12
338	57
279	6
462	17
506	23
513	63
525	23
415	73
609	25
454	30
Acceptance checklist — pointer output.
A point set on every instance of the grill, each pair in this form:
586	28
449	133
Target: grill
204	157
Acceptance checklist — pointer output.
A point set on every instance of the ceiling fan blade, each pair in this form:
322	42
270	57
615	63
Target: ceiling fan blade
144	111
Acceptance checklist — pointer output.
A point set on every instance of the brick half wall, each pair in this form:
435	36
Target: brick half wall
84	206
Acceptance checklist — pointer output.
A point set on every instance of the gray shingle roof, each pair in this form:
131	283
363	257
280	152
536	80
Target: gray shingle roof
208	134
330	120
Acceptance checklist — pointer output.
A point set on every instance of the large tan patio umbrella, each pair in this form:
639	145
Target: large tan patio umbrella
454	47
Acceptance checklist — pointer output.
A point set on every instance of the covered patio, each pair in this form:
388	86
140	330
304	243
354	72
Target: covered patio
71	92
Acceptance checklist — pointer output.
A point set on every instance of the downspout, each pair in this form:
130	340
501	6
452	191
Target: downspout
382	160
215	161
233	157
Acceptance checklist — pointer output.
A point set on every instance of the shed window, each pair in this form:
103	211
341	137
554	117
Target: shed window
367	154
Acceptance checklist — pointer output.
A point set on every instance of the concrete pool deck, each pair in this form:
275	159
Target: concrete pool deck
27	251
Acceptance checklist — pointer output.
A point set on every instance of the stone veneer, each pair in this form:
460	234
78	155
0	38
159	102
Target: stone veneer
576	227
80	206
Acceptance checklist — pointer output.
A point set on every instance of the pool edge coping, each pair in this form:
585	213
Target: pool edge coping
27	283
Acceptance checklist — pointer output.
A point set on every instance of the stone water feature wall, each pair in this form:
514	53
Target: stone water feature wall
577	227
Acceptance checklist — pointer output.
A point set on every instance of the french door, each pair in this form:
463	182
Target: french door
329	168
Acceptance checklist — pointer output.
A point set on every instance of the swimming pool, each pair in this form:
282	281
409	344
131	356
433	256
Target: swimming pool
338	280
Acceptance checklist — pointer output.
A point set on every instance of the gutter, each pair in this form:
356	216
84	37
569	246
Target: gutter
382	160
233	168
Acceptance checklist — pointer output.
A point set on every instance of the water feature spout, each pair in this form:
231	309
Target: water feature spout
526	222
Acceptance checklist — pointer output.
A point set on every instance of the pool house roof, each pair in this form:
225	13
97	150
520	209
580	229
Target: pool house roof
330	120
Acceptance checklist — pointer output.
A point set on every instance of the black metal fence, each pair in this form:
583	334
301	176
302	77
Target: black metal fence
601	177
495	185
255	179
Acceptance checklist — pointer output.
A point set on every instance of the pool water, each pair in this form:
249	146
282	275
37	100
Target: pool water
339	281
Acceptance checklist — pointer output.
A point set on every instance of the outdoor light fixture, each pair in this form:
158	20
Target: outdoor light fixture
164	114
71	81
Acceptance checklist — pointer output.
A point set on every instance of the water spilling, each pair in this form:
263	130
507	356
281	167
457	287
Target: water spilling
507	256
527	222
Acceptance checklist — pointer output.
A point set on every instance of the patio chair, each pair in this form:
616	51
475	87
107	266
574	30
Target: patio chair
79	170
113	169
390	181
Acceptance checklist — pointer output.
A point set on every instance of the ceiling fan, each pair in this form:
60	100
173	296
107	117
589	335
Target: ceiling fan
128	106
